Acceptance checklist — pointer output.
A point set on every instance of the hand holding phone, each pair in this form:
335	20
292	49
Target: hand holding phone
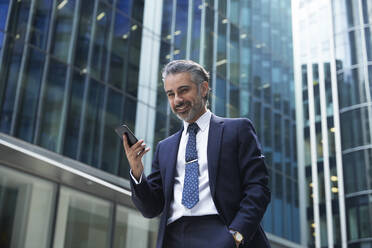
134	150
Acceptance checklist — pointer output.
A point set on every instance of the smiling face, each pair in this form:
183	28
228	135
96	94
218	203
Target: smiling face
185	97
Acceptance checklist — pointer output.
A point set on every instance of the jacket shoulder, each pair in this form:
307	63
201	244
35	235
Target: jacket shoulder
233	121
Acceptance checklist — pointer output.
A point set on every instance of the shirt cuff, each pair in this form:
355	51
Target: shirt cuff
134	179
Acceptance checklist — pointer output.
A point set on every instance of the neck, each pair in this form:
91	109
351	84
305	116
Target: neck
202	111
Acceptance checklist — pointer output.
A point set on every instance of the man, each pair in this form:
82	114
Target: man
208	180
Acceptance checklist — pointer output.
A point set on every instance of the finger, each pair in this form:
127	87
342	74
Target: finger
140	149
137	145
144	152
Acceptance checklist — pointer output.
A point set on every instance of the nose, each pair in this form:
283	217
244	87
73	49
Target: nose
177	99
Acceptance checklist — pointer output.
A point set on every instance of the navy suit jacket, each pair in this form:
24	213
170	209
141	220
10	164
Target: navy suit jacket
238	179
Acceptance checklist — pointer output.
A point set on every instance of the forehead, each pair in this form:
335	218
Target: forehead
174	81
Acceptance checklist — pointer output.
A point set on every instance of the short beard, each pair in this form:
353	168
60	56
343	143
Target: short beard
194	110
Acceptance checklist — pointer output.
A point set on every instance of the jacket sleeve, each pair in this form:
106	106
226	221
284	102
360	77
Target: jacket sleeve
148	194
254	187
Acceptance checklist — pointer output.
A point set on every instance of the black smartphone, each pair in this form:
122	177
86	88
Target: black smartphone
124	129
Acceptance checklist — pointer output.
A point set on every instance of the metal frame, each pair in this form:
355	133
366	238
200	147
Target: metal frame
87	81
366	85
228	61
43	86
314	165
25	56
106	93
214	70
10	8
190	21
202	33
173	27
327	173
336	120
69	78
148	76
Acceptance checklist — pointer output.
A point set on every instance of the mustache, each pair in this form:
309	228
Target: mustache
180	105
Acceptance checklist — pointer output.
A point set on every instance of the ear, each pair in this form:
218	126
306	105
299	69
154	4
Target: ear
204	88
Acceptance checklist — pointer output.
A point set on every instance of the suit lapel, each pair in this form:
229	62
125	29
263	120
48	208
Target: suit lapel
213	150
172	152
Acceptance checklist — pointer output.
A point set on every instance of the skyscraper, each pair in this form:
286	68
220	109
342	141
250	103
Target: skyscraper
72	70
333	89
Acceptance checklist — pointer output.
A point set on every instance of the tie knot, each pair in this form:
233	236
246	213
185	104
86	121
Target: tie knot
193	127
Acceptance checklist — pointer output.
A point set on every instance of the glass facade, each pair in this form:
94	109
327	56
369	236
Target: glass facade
68	76
38	213
334	95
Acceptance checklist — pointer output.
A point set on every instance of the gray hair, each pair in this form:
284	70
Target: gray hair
197	72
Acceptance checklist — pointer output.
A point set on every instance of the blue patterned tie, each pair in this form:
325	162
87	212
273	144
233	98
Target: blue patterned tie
190	194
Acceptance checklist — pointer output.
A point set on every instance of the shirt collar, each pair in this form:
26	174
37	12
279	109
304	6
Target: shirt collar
202	122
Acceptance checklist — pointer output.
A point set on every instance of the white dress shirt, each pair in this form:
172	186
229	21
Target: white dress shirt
205	205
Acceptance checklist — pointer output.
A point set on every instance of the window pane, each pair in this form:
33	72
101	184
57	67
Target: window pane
277	133
101	40
234	101
93	123
365	224
357	167
196	24
111	142
180	32
355	128
72	130
52	105
351	87
220	97
130	109
119	51
30	96
353	223
132	77
4	5
124	6
345	14
367	11
1	40
348	49
26	209
41	22
84	33
62	28
221	46
209	37
267	127
82	221
19	16
9	73
133	230
160	127
368	35
370	78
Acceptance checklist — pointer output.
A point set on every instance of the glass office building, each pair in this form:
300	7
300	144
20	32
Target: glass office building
72	70
68	76
333	89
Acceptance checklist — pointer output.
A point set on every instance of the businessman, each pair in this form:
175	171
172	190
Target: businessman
209	181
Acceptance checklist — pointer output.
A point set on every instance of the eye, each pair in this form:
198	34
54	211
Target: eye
183	90
170	94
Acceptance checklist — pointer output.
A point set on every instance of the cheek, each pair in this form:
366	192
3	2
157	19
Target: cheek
171	103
